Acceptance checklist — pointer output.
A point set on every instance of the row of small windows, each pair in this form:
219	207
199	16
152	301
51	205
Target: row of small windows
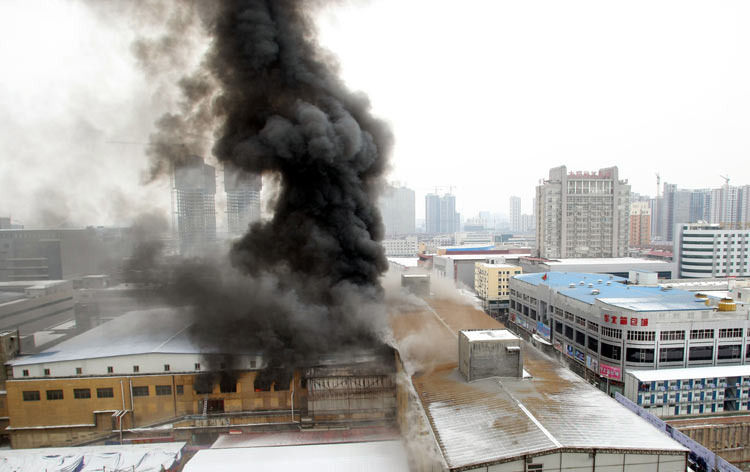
105	392
646	355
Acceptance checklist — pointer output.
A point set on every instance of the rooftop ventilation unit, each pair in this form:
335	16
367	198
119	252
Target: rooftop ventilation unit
591	285
599	281
595	292
489	353
572	285
581	283
609	283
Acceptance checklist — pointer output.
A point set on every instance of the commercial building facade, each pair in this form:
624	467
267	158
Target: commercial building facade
690	392
491	284
619	266
582	214
711	250
405	247
605	327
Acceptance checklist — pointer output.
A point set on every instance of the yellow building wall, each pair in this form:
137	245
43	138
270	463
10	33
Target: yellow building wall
70	420
493	283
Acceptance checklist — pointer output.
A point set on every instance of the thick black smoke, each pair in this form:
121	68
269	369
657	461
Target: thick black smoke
306	281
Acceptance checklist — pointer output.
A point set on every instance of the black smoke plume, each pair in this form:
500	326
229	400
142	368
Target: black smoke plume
305	282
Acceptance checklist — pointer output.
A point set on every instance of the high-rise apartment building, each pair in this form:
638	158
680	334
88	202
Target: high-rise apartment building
582	214
440	214
515	213
398	207
243	199
195	191
710	250
640	223
527	224
728	206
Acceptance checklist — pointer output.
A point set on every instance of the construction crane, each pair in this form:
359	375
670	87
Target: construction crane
726	180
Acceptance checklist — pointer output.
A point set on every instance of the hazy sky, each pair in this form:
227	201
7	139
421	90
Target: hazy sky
483	96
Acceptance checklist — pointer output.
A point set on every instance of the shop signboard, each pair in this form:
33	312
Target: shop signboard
543	330
610	372
580	356
592	363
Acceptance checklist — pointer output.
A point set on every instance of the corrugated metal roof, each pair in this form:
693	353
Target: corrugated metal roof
493	420
691	373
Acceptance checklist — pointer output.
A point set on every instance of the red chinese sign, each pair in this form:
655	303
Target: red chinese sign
610	372
623	320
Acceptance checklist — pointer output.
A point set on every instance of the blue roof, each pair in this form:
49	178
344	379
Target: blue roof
469	248
630	297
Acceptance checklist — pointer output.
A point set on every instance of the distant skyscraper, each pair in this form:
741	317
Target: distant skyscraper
243	199
195	191
398	206
440	214
527	224
640	223
582	214
515	213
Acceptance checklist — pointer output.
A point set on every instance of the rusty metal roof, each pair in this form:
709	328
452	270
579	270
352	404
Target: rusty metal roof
495	420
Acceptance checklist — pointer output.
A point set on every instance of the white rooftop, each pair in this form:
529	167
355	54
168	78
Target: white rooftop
691	373
163	330
605	261
405	261
489	335
360	456
500	266
136	457
471	257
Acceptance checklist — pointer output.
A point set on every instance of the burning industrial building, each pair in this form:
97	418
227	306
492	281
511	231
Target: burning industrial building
304	282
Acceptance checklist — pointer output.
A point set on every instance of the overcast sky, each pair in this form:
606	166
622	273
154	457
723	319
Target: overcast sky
483	96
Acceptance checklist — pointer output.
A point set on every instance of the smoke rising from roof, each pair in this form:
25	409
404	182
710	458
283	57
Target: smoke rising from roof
306	280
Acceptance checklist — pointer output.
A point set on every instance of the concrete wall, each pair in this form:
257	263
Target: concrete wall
727	440
70	420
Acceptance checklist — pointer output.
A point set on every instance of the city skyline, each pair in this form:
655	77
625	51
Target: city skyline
548	112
